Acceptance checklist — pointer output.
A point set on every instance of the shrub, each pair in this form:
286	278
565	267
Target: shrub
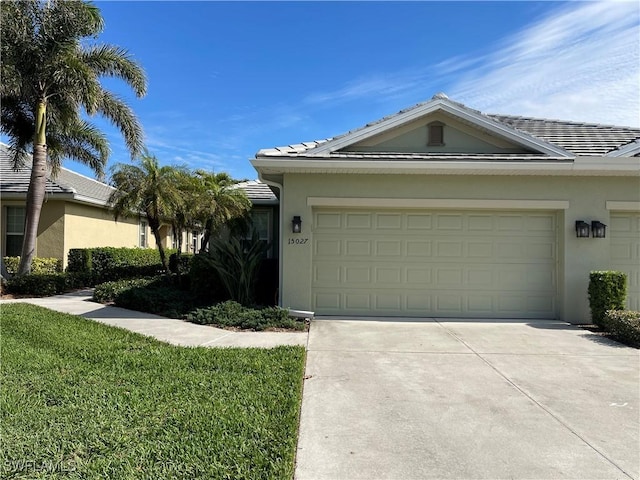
108	291
233	314
607	291
46	284
624	326
237	262
180	264
38	266
157	295
110	263
204	281
39	285
79	260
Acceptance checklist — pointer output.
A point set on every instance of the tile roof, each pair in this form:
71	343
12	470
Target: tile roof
588	139
66	182
258	192
582	139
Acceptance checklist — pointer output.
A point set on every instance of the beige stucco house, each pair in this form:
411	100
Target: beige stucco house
75	214
444	211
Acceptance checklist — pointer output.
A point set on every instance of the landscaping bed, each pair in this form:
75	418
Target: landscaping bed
84	400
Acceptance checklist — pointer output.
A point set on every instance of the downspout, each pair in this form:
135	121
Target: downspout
281	233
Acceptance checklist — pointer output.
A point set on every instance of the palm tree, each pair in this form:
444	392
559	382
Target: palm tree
220	201
50	76
149	189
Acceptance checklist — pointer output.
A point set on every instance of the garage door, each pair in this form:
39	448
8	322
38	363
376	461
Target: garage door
625	252
499	264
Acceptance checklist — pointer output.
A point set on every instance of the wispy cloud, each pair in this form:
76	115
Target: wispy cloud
580	63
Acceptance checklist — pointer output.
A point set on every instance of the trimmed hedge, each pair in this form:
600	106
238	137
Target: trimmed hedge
624	326
159	295
232	314
607	291
108	291
46	284
110	263
38	266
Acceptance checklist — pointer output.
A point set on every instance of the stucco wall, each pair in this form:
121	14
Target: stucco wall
587	197
86	226
50	241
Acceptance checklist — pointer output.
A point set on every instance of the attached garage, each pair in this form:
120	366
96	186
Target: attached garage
625	252
497	264
442	211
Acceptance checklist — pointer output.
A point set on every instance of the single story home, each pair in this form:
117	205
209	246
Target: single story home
76	214
443	211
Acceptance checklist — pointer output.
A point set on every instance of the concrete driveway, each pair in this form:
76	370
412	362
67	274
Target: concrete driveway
467	400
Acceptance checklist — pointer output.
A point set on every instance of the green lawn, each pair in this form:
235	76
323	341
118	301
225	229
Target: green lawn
84	400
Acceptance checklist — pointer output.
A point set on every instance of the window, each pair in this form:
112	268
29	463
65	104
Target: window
15	230
436	134
143	233
261	222
195	236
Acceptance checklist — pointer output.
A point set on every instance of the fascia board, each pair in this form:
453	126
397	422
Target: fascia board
451	108
588	166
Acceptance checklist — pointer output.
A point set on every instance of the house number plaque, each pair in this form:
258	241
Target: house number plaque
297	241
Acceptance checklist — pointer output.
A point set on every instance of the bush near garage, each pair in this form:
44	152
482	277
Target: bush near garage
607	291
233	314
38	266
624	326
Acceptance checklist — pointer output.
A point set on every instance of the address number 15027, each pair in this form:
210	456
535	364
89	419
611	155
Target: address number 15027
297	241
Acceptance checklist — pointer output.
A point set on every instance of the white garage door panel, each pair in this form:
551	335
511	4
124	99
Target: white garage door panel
625	252
480	264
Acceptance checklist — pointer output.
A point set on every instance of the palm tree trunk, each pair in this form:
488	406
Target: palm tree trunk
36	191
163	256
206	236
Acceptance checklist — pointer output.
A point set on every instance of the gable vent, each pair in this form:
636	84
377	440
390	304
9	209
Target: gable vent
436	134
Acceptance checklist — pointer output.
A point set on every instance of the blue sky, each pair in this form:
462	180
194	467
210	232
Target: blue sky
227	79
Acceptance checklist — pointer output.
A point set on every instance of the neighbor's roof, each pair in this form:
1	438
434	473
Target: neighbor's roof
574	138
259	193
66	184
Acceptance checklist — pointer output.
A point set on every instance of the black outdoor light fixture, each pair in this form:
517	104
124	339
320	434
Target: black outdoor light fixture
296	224
582	229
598	229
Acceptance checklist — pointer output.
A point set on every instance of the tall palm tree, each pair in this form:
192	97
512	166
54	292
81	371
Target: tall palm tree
149	189
50	77
220	201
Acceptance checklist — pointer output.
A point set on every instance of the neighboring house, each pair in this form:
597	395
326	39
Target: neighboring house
75	214
443	211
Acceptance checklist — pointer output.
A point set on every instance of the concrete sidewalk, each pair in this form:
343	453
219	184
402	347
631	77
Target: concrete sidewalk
175	332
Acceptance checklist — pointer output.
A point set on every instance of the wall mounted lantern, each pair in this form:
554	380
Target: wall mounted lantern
598	229
582	229
296	224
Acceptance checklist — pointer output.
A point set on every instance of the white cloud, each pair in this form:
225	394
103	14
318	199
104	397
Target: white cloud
582	63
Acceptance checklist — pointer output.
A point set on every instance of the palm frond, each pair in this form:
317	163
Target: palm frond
112	61
122	116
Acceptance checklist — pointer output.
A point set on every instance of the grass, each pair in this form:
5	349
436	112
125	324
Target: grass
83	400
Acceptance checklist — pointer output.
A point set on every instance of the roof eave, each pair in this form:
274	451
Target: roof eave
580	166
